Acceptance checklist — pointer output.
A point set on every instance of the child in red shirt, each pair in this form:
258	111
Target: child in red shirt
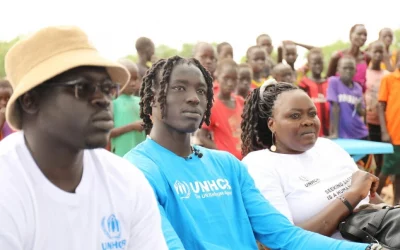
226	113
315	86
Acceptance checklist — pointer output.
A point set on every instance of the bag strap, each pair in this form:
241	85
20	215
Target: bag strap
376	221
352	232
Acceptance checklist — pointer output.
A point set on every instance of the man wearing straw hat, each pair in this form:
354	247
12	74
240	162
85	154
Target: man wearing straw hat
58	190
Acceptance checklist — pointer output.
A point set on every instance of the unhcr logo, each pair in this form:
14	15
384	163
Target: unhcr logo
203	189
182	189
112	229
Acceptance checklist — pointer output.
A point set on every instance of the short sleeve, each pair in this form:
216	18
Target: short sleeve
384	90
332	95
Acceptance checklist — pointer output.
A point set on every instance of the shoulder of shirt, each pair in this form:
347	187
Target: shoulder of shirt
142	157
334	79
9	143
258	157
239	99
119	169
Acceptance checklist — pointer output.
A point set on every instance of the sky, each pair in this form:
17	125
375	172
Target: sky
114	26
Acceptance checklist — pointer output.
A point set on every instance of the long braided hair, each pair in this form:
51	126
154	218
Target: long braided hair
158	76
257	110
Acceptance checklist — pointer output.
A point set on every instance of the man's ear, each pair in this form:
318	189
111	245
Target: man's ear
29	102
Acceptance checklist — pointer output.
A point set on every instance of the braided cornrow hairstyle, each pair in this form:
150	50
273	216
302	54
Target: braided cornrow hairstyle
157	77
257	110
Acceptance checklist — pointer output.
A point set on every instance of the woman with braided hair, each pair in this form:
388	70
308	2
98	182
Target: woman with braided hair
206	197
309	179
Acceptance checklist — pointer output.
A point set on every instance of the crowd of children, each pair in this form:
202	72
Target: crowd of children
347	98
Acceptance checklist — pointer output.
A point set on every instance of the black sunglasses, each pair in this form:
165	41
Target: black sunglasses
85	89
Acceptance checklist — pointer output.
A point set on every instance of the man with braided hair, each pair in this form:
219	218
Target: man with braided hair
206	197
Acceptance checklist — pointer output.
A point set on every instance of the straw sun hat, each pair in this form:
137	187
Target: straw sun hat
48	53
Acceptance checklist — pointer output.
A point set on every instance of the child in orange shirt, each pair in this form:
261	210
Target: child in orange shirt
226	113
389	118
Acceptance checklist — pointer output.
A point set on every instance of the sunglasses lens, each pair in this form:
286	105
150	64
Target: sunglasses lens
109	89
85	90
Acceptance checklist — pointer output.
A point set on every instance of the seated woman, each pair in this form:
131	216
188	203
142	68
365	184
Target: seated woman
311	180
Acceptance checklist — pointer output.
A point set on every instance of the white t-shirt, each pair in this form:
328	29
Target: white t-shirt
302	185
114	206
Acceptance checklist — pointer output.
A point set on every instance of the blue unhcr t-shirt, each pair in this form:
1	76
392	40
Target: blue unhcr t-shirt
211	203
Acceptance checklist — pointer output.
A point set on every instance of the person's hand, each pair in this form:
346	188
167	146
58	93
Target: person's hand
363	183
385	137
371	206
286	42
137	126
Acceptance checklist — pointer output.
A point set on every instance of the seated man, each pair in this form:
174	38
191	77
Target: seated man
58	189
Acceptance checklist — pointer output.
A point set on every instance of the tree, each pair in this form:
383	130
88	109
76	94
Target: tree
4	47
187	50
396	43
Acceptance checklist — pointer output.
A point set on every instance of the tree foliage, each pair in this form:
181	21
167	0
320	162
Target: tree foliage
4	47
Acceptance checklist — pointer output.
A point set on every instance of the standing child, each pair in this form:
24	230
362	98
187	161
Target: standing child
347	106
316	86
389	117
265	42
205	53
224	50
5	94
128	131
389	57
283	73
256	58
374	76
226	113
145	50
245	76
287	53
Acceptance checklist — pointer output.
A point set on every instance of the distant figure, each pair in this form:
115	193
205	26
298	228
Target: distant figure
244	83
283	73
205	53
5	94
316	86
265	42
256	58
358	37
145	50
224	50
389	57
128	131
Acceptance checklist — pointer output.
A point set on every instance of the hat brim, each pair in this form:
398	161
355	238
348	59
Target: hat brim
56	65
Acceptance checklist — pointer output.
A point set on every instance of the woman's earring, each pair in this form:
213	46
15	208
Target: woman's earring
273	147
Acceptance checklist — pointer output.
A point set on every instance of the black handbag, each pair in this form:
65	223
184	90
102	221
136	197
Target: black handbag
373	226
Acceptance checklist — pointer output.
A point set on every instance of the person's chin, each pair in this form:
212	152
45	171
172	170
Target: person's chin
189	128
98	140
